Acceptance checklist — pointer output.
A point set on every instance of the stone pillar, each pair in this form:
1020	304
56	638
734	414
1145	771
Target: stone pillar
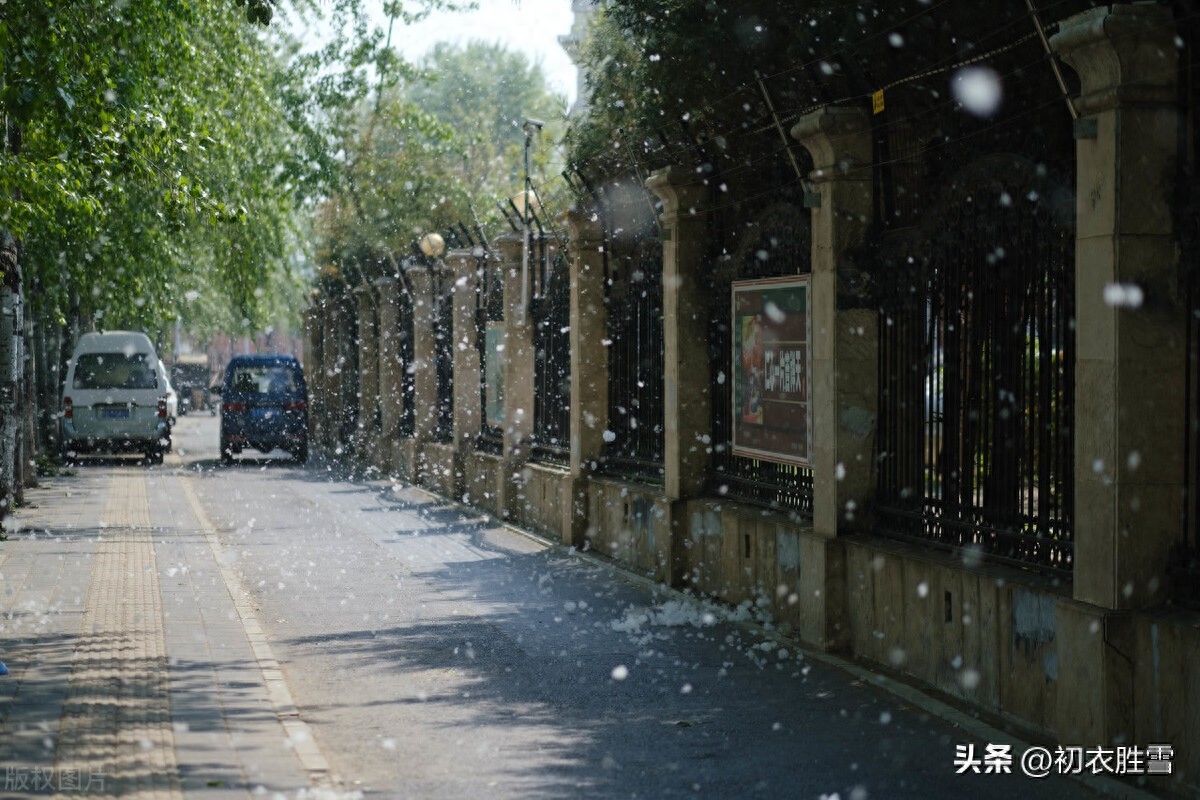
845	342
463	270
589	356
1130	422
589	363
518	374
368	374
391	370
425	389
687	379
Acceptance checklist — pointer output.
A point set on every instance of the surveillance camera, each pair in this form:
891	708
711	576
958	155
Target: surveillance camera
534	123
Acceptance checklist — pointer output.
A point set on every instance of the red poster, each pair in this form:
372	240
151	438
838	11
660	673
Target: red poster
772	374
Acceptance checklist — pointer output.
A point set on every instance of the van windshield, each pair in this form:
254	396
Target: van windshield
114	371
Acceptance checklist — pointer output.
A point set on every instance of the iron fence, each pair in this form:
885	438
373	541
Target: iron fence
775	244
551	315
489	322
407	355
634	441
977	362
443	353
1184	568
373	423
347	368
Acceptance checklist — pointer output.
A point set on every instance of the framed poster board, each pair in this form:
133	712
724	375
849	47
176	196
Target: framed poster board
494	374
772	370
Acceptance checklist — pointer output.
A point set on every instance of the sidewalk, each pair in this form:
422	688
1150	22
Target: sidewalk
138	667
92	606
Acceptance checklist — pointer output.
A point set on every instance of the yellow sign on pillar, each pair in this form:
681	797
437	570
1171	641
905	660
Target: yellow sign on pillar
877	102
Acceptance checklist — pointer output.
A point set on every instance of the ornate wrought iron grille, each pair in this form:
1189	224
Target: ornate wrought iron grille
634	439
977	363
1184	567
551	315
1185	563
489	310
774	245
443	353
407	354
373	424
347	367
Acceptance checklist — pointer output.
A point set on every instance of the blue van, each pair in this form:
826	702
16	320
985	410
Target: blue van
264	406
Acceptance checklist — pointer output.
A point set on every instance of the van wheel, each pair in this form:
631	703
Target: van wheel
301	453
154	456
226	453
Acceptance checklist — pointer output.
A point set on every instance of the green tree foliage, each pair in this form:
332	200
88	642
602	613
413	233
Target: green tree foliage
660	75
485	92
435	146
677	81
142	159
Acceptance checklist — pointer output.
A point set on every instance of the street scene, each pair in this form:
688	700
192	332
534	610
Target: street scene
197	630
599	398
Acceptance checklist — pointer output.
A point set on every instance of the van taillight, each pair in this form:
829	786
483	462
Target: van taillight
68	408
235	408
296	405
162	407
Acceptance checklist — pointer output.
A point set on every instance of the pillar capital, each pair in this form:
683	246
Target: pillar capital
584	230
508	247
1123	54
459	259
682	192
839	140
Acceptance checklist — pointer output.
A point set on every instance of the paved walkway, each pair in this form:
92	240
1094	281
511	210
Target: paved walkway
137	665
137	668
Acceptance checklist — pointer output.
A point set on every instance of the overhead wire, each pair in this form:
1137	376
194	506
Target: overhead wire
940	66
943	66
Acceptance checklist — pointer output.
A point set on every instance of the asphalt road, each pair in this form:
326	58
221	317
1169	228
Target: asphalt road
435	654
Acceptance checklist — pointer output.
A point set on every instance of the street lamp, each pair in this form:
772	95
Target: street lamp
432	245
530	127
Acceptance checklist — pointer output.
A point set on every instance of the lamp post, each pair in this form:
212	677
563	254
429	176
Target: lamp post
530	127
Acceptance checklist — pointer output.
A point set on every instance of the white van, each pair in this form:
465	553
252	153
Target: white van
113	400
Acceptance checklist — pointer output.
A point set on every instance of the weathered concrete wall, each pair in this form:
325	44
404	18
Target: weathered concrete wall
1165	648
744	554
630	523
441	470
483	478
404	458
544	496
972	633
1020	647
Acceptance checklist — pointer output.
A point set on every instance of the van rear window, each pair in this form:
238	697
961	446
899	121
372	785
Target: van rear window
114	371
264	380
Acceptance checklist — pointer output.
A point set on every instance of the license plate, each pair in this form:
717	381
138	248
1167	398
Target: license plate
114	413
264	413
